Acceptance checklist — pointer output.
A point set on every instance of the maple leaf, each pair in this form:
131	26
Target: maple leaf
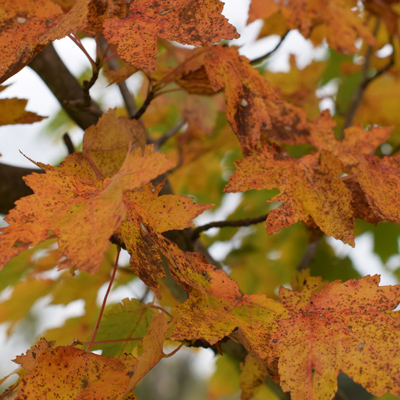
310	190
252	377
356	140
216	307
28	27
128	319
148	216
66	371
252	106
298	85
12	111
338	326
246	93
108	151
153	349
379	179
185	21
81	211
337	19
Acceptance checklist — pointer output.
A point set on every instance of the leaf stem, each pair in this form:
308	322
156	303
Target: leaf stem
78	42
222	224
113	341
161	309
96	328
173	352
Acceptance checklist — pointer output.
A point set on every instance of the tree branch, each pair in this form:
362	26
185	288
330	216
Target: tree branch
259	60
68	143
358	96
127	96
142	110
222	224
49	66
12	186
175	129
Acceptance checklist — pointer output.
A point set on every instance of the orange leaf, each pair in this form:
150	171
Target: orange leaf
246	93
67	372
153	349
81	211
216	307
379	178
148	215
107	142
339	20
338	326
252	106
12	111
310	190
356	140
28	27
185	21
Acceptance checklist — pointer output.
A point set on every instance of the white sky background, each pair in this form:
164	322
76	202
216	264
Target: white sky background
32	142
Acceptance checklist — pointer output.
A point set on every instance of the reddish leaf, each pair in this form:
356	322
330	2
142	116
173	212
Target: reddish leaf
338	326
28	27
252	106
310	190
185	21
379	178
246	93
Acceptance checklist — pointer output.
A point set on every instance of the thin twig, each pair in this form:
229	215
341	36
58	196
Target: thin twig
78	42
68	143
358	96
87	85
222	224
141	111
162	309
175	129
259	60
308	256
96	328
127	96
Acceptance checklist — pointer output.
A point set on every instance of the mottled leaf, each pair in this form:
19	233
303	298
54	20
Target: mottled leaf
339	20
338	327
187	22
12	111
310	190
81	211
